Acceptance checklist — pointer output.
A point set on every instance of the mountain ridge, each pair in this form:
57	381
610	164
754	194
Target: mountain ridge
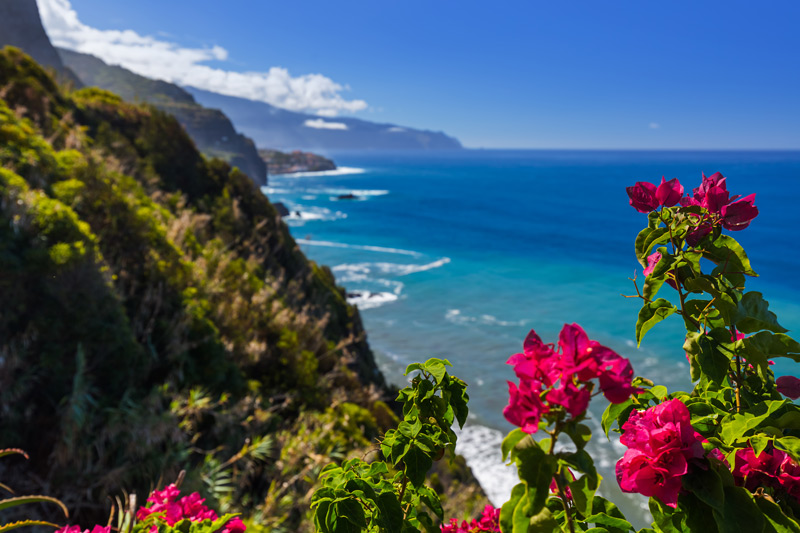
281	129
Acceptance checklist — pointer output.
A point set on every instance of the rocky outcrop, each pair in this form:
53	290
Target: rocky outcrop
21	26
280	129
210	129
287	163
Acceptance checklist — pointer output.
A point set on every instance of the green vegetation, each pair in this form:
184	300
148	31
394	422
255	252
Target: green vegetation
158	316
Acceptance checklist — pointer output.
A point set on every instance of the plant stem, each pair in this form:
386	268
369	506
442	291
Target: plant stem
561	492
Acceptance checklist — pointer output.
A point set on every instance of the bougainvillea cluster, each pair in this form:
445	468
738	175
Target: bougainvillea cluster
661	445
719	207
772	468
551	378
488	521
77	529
172	509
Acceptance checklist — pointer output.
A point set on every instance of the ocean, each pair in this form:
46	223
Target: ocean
459	254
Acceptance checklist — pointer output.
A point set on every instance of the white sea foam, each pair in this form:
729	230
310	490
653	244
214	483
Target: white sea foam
358	247
393	269
371	300
299	214
274	190
341	171
480	446
354	192
454	316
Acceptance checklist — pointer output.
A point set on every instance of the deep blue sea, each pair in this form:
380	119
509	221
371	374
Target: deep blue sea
459	254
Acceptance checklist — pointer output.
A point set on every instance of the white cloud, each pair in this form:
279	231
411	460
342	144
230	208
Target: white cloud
320	124
164	60
654	125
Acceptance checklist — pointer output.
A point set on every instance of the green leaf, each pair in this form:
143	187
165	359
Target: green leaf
777	519
431	499
536	469
705	357
706	485
740	512
666	519
579	433
605	520
417	465
542	522
756	315
768	344
729	254
583	490
651	314
13	451
390	516
649	238
613	412
510	441
508	508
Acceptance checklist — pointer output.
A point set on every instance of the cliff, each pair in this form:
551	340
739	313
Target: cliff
210	129
280	129
21	26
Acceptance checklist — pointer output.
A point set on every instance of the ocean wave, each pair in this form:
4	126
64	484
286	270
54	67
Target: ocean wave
354	192
480	446
454	316
371	300
393	269
274	190
358	247
341	171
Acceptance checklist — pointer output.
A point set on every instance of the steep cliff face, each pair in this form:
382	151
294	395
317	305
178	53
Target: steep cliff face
271	127
21	26
210	129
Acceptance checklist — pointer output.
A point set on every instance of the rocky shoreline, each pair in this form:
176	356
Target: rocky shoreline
288	163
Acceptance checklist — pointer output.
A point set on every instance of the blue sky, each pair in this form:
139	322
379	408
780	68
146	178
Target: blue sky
644	74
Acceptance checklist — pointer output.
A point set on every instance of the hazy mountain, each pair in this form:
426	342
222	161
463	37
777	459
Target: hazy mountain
210	129
272	127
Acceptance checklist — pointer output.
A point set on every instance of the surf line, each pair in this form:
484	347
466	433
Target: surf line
332	244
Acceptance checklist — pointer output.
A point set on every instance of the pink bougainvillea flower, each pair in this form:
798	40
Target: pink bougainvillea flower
738	215
574	400
661	443
550	378
643	196
669	192
234	525
789	386
77	529
525	407
652	261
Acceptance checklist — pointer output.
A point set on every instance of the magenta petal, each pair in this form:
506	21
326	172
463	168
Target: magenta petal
643	196
789	386
669	192
737	216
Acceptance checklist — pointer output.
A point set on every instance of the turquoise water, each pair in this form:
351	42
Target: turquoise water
460	254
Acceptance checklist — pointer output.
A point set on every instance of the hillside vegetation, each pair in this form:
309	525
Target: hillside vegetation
157	315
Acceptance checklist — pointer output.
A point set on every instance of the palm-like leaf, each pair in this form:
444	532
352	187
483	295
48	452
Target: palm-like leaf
22	500
23	523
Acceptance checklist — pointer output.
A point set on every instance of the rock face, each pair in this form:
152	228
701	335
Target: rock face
21	26
210	129
278	128
297	161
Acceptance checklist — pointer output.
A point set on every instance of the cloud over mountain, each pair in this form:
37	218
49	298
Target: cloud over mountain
168	61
